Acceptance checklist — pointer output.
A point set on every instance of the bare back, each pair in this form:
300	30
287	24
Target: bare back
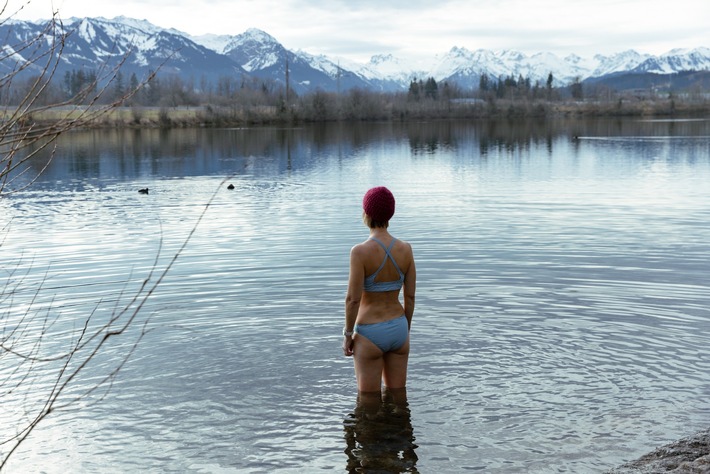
370	255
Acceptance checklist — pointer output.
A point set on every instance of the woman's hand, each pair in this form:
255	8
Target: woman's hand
348	346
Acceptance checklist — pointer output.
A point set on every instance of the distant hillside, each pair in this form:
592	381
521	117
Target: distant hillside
687	81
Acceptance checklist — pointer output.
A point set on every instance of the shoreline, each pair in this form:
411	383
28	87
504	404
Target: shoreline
184	116
689	455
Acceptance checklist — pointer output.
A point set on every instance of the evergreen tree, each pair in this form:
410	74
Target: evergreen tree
119	88
576	88
133	84
431	89
484	83
414	90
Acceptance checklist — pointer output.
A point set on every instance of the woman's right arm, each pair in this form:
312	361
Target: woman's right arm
356	281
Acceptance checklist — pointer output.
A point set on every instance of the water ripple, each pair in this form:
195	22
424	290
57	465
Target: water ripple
562	310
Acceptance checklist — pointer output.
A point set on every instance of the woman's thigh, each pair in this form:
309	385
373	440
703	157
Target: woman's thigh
369	364
395	367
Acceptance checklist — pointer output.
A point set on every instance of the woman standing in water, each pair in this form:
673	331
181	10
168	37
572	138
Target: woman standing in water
377	324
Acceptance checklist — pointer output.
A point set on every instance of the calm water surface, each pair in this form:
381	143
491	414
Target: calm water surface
562	320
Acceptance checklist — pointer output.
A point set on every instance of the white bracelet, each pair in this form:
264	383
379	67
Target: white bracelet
348	333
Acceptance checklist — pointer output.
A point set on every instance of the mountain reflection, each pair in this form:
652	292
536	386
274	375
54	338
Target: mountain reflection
108	155
379	434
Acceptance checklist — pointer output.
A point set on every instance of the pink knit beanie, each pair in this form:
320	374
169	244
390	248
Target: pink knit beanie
378	203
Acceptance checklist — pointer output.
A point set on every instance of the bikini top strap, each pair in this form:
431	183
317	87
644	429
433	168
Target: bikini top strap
389	255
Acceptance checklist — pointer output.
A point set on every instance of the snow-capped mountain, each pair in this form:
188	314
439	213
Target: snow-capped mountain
620	62
99	43
256	55
465	67
263	57
676	60
256	50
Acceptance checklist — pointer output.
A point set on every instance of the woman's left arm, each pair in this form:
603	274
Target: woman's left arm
410	288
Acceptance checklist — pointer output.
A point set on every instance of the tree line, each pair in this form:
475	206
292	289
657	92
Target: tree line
172	90
242	99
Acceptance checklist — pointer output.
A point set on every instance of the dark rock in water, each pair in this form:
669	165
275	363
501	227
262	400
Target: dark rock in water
689	455
231	186
143	191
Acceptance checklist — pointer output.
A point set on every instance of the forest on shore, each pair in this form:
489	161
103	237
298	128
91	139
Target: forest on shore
171	102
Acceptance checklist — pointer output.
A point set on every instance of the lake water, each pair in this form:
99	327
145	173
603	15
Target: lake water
563	306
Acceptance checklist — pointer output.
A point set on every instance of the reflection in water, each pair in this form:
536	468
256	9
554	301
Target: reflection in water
97	157
379	434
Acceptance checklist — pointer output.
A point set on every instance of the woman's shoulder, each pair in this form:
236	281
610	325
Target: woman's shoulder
402	250
405	244
360	248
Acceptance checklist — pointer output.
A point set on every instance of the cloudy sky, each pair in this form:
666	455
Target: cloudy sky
357	29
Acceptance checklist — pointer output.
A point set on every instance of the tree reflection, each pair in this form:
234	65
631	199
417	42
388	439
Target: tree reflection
379	434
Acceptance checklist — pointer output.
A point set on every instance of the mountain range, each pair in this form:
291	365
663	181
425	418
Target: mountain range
255	54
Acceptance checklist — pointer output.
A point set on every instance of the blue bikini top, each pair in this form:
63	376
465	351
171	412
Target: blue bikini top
379	286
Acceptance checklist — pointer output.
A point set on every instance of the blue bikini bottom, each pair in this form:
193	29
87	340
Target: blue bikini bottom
388	335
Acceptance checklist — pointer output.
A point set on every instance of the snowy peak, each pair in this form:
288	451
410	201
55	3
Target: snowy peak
386	67
252	39
254	50
321	63
216	43
140	25
222	44
619	62
697	59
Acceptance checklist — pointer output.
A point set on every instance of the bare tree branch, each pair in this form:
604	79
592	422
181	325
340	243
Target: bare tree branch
39	367
22	138
88	345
